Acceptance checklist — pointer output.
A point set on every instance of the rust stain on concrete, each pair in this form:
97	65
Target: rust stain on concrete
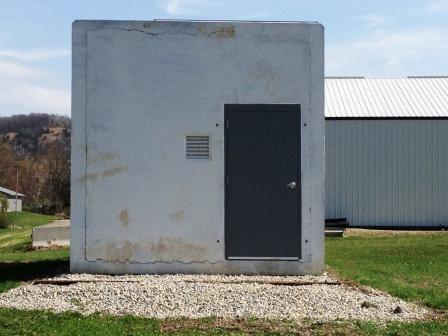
88	177
114	171
106	173
177	215
222	32
264	72
124	217
120	252
225	32
164	250
103	157
172	248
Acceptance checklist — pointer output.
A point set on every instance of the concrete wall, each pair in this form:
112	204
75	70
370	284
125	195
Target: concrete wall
138	206
387	172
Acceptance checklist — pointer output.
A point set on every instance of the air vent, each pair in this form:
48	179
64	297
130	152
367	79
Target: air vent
197	147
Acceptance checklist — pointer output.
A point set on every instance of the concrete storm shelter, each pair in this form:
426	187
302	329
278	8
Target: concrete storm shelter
198	147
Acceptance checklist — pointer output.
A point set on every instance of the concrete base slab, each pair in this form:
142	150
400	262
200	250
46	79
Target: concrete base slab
56	233
334	232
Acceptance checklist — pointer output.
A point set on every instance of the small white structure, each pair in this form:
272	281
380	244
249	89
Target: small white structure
198	147
11	197
387	151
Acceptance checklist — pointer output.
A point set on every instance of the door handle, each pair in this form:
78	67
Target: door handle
292	185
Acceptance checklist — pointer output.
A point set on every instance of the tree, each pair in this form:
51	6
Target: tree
3	211
7	164
32	180
56	164
38	146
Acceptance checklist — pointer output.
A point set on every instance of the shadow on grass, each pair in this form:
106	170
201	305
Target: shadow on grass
26	271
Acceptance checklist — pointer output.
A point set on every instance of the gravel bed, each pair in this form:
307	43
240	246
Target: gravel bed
196	296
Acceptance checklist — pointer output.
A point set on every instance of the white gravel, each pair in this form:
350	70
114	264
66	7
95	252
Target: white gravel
196	296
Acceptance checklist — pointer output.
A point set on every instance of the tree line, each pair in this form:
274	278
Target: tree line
37	146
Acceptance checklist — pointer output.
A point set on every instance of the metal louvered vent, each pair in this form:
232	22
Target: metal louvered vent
197	147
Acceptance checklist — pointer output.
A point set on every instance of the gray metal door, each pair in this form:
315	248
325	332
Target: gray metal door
262	155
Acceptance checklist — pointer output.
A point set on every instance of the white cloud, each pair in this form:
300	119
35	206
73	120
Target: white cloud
184	7
372	20
25	89
215	9
35	98
13	70
438	6
35	54
256	16
388	52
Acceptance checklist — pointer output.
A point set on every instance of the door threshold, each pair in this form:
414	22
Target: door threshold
264	258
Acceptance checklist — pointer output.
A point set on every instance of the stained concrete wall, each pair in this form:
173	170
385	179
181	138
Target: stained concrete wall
138	206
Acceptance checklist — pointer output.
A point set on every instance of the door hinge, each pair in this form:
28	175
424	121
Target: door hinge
227	180
227	123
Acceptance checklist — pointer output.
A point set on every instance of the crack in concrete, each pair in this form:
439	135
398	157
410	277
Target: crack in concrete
159	262
219	32
151	33
140	31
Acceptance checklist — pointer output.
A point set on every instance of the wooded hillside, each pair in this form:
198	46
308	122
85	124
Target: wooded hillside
38	147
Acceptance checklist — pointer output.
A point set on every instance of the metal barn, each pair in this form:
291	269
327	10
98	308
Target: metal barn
387	151
198	147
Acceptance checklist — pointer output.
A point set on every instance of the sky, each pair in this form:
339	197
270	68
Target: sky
372	38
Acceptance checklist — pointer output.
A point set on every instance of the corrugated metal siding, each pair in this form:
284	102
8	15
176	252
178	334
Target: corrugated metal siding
387	172
373	98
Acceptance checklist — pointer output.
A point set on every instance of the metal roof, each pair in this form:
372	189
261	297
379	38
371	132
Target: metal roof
10	192
412	97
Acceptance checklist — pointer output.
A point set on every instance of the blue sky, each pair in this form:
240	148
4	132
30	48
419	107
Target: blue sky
393	38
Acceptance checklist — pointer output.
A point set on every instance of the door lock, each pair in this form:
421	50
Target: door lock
292	185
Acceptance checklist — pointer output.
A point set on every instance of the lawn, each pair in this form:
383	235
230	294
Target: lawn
414	267
27	219
17	261
410	266
14	322
16	239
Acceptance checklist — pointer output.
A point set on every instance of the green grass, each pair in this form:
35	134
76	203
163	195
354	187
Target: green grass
400	329
17	261
412	267
17	237
28	220
24	323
